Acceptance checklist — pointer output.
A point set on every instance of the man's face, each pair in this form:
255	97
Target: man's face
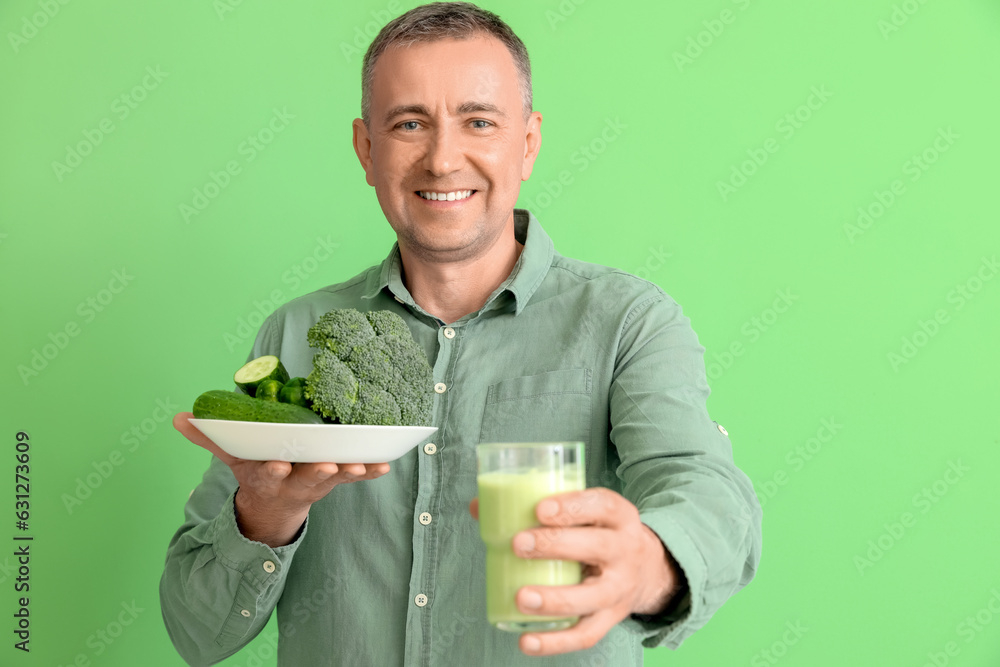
446	121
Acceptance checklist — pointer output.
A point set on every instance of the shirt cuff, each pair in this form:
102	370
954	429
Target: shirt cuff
671	627
262	571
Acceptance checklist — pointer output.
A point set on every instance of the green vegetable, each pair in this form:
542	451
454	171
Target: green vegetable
233	406
268	390
369	370
268	367
294	392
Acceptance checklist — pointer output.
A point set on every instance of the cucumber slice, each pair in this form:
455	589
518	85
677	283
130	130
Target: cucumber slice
268	367
294	392
268	390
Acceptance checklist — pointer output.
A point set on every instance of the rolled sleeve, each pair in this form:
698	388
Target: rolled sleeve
219	588
677	468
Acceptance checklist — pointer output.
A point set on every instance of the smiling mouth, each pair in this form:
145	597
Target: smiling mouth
455	195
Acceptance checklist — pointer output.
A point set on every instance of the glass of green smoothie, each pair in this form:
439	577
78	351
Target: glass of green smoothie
513	478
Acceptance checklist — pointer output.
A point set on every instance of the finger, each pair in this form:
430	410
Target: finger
585	634
585	544
474	508
591	507
312	475
353	469
379	468
590	596
265	477
191	432
327	475
359	471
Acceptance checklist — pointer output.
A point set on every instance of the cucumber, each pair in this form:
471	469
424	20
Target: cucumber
268	367
233	406
268	390
294	392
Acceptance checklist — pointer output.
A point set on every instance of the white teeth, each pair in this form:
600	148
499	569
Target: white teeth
446	196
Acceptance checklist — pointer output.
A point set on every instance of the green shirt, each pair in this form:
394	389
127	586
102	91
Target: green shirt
562	350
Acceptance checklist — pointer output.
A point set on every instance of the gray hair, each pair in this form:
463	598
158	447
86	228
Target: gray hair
444	20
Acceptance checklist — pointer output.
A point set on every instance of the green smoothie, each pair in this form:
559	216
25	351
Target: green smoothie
506	507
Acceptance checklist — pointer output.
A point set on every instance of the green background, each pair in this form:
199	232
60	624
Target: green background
647	108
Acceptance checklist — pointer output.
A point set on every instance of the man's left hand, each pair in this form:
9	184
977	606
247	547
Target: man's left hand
627	569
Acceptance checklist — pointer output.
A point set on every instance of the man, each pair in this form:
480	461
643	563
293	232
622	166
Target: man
525	345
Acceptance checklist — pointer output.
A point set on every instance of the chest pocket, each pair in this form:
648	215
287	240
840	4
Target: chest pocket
548	407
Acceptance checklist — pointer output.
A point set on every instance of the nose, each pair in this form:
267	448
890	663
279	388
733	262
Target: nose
444	152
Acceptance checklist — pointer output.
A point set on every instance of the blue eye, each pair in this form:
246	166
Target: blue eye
480	124
409	125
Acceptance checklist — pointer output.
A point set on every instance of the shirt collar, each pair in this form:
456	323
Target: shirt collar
528	273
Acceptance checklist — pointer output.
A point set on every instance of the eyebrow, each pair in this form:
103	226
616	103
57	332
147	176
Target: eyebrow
464	108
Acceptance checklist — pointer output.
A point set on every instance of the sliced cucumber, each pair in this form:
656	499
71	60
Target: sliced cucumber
296	382
294	392
268	367
268	390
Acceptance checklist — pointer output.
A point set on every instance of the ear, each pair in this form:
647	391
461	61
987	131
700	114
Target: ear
532	143
363	149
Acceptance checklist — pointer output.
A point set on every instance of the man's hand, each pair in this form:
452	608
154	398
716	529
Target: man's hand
275	496
626	567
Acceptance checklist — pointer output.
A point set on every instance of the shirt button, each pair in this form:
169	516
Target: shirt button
722	430
430	448
421	600
425	518
268	566
245	613
449	332
440	387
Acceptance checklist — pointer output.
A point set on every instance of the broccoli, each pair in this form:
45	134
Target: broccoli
368	370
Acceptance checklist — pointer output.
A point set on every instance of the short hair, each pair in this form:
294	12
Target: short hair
444	20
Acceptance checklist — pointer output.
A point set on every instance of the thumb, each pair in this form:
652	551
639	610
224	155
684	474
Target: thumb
191	432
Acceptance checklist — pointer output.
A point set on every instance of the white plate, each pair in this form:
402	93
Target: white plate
313	443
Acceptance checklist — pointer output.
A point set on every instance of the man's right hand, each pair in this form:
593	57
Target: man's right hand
274	497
